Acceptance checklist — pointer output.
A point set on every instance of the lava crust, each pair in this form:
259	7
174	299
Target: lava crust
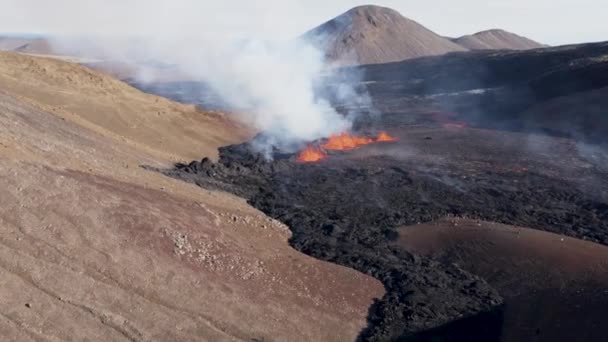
346	208
338	215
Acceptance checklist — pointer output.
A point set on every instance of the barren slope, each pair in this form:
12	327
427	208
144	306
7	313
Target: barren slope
373	34
554	286
111	107
89	249
496	40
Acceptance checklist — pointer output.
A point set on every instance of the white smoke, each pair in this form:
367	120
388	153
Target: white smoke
274	84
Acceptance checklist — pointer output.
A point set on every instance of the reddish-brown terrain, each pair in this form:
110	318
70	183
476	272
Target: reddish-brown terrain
555	287
94	247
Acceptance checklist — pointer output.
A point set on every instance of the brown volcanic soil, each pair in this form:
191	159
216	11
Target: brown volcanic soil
555	287
374	34
93	247
114	109
496	40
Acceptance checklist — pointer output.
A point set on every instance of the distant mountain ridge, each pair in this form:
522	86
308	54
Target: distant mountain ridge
24	44
374	35
363	35
497	39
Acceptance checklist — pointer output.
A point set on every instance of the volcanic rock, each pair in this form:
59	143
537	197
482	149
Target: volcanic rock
344	225
557	90
345	210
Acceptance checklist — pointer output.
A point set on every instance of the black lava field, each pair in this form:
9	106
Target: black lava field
346	209
509	137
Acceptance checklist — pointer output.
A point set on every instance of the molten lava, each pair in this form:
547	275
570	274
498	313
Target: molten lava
311	154
339	142
345	141
385	137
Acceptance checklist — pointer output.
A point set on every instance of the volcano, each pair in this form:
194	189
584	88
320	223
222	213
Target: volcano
466	201
374	34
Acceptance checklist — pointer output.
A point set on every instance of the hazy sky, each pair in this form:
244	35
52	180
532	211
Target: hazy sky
548	21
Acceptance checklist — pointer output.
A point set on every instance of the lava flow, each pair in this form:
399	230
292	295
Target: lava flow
384	137
345	141
311	154
339	142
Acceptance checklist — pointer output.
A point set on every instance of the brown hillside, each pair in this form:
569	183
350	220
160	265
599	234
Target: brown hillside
497	40
113	108
93	247
373	34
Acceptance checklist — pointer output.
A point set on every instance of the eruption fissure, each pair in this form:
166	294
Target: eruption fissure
311	154
339	142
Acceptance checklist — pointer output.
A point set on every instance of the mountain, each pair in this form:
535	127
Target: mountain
37	46
373	35
40	46
11	43
496	40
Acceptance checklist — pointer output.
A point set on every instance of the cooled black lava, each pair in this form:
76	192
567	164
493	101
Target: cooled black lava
346	210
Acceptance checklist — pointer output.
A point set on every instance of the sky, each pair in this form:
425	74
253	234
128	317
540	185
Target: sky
551	22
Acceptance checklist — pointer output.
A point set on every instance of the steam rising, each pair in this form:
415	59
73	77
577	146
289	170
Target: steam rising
273	84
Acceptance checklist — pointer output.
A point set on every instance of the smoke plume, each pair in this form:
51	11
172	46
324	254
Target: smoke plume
273	83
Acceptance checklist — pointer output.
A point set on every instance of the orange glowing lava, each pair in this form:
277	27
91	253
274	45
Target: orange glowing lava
311	154
339	142
455	125
383	136
345	141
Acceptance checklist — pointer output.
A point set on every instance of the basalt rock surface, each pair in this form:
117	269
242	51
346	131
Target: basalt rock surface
350	227
345	210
